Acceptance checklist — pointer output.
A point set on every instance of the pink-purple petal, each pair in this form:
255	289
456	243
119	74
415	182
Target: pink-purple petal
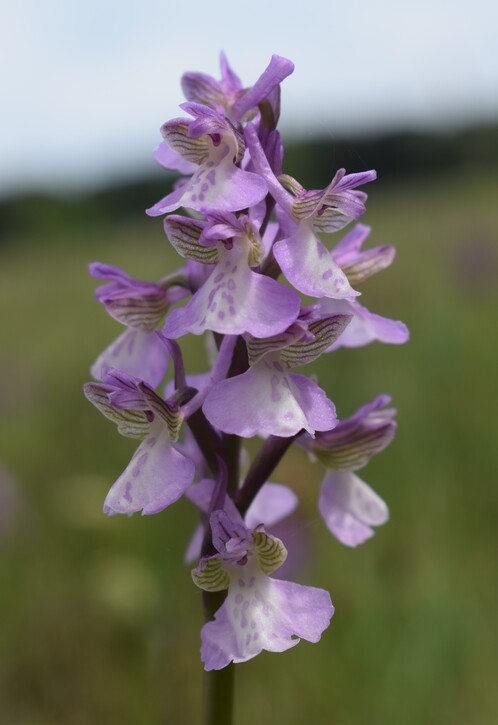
319	410
308	265
140	354
171	159
261	613
266	400
272	503
156	476
350	507
235	300
365	326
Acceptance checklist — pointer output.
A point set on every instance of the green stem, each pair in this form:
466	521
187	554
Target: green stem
232	448
218	684
262	467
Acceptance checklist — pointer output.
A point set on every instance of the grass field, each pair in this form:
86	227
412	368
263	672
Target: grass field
99	620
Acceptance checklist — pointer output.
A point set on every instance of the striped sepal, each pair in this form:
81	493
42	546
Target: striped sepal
200	88
270	550
331	220
324	331
168	412
369	263
210	575
257	348
308	205
184	236
131	423
257	250
175	132
142	313
291	185
354	450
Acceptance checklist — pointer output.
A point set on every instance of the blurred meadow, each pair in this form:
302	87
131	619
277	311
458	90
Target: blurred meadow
99	619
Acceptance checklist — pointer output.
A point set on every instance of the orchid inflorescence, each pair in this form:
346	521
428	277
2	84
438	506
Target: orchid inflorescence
245	223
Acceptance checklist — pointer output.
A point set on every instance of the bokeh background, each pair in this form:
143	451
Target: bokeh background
99	620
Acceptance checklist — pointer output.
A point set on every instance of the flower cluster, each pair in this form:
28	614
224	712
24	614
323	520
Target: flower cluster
242	225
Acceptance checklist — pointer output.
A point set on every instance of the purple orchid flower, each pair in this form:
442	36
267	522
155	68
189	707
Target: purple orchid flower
140	306
259	612
245	223
234	299
159	473
212	143
137	304
349	507
229	94
303	258
273	503
269	400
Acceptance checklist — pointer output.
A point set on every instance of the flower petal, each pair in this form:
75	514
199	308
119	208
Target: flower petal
156	476
308	265
171	159
141	354
265	400
272	503
365	326
350	507
235	300
261	613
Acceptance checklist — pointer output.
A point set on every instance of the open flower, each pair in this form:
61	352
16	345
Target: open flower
234	299
158	474
229	94
213	144
259	612
349	507
268	399
302	256
140	306
273	503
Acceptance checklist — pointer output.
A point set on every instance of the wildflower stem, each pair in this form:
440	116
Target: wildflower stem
218	684
232	448
207	439
262	467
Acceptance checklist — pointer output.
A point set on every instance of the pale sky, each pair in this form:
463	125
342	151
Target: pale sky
86	84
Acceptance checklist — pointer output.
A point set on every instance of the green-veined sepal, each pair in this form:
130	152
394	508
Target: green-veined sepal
368	263
130	423
175	132
168	411
270	551
324	332
355	449
210	575
259	347
184	236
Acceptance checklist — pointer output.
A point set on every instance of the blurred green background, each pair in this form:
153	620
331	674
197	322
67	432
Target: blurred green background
99	619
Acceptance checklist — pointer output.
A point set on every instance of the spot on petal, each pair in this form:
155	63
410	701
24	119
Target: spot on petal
139	464
127	493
